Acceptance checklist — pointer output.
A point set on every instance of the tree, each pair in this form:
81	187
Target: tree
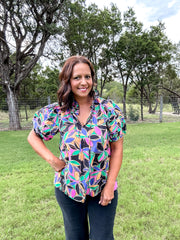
125	50
171	77
28	89
25	28
39	88
170	81
114	91
105	69
49	83
154	52
113	26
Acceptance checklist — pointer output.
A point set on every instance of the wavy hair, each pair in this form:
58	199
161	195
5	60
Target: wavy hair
65	94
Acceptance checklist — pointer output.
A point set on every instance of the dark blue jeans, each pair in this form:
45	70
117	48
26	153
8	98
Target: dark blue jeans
76	215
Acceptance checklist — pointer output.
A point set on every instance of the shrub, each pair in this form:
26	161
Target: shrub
133	114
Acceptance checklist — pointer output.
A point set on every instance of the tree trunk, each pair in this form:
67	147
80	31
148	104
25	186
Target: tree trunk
14	119
150	107
142	117
26	112
101	90
161	109
155	107
124	102
152	111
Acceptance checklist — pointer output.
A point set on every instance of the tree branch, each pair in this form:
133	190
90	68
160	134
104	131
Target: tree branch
169	90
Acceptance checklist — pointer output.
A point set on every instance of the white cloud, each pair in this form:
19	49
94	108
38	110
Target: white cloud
172	29
170	4
149	12
142	14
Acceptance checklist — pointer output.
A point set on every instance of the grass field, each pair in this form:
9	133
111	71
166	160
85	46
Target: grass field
149	184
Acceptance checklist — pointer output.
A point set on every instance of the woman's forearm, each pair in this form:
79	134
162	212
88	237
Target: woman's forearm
107	193
115	161
40	148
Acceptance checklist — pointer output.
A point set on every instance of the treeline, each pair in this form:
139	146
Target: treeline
141	63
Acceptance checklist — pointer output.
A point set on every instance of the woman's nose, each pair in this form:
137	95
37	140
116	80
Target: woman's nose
83	80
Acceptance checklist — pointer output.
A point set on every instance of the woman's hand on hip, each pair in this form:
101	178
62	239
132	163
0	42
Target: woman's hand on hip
57	164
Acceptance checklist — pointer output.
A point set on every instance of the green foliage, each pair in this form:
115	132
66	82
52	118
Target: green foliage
40	84
133	94
133	114
114	91
49	83
84	29
148	187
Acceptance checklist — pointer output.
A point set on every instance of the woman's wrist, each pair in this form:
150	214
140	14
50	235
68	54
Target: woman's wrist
110	183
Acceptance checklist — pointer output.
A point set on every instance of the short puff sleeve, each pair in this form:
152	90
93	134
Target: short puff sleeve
46	121
116	122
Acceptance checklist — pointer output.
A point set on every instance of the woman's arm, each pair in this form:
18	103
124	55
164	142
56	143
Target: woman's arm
114	166
40	148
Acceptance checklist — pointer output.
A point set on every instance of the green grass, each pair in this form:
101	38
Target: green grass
148	206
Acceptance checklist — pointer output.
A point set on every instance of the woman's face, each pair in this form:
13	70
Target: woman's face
81	81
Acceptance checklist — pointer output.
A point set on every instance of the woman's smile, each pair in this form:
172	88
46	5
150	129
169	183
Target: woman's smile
83	89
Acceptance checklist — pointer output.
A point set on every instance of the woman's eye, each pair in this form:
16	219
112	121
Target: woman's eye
79	77
88	76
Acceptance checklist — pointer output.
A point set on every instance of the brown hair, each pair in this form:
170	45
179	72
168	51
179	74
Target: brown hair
65	95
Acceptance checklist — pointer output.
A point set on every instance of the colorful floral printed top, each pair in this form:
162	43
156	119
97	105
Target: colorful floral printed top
85	149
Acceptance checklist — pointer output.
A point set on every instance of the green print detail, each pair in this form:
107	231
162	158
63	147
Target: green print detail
70	120
68	181
104	174
86	175
94	188
66	134
75	163
100	155
63	128
72	178
86	155
57	184
75	153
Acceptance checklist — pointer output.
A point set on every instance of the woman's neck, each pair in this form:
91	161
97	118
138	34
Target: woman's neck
84	101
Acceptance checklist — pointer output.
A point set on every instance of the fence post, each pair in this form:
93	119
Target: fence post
49	100
161	109
25	107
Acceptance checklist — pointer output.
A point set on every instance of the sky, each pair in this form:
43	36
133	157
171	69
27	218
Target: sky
149	12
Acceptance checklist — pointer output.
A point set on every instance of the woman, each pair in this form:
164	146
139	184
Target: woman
91	150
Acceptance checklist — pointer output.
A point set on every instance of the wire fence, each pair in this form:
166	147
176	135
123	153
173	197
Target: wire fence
167	111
